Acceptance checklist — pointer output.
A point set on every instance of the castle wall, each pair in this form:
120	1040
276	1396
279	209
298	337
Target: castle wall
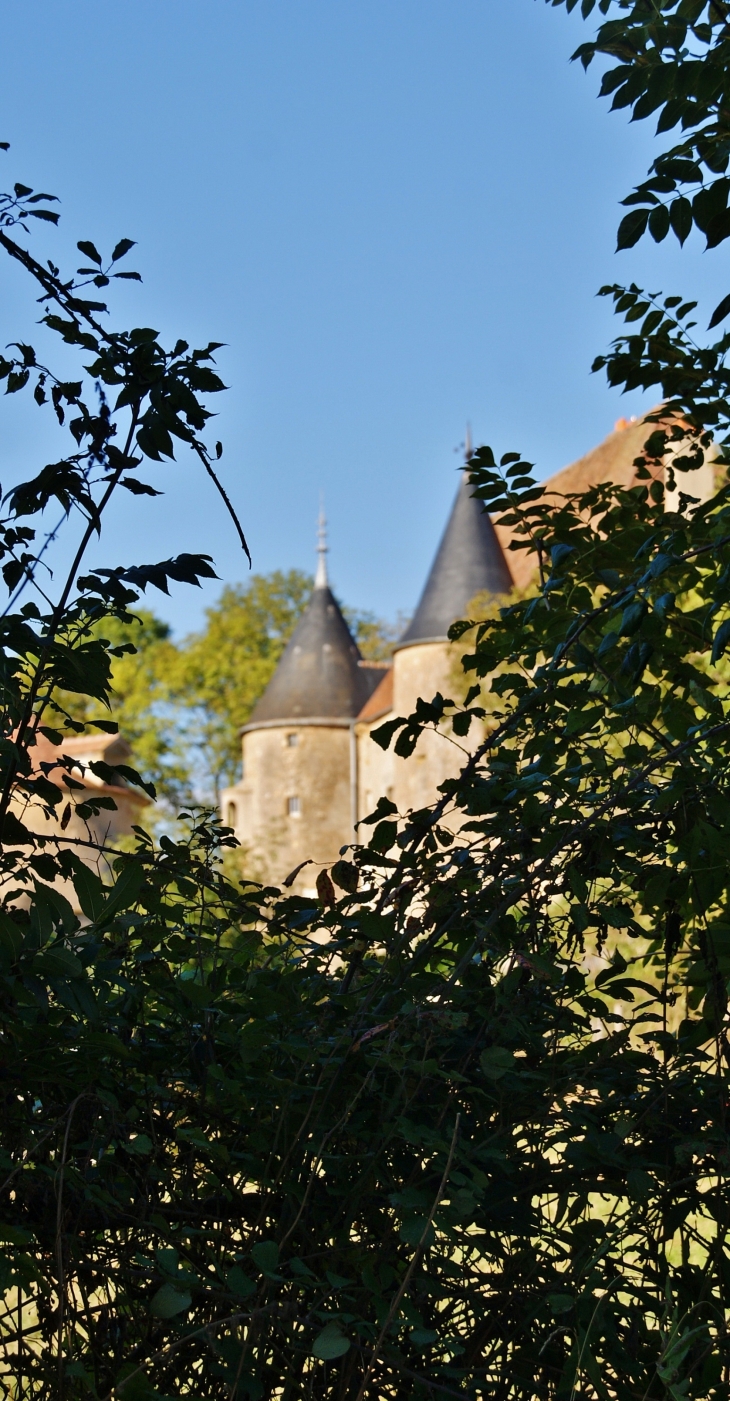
423	670
420	670
103	830
295	800
375	771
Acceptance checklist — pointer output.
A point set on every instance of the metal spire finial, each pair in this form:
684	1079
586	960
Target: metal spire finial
320	578
468	449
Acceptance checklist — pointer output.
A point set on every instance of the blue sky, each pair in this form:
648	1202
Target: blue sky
396	214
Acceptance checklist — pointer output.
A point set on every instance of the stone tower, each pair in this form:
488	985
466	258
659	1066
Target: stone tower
469	561
297	797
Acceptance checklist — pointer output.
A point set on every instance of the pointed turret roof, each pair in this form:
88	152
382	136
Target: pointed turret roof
468	561
319	676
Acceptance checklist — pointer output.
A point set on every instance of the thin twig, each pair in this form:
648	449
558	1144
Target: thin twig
229	507
59	1242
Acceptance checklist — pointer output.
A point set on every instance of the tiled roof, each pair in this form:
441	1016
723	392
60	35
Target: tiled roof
469	561
319	675
611	461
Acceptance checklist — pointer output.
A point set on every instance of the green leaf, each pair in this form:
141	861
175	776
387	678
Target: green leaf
13	1235
384	808
169	1301
11	936
346	875
412	1230
124	892
496	1061
632	617
140	1144
239	1283
659	222
89	251
558	553
265	1254
461	722
138	488
721	311
721	639
89	890
680	217
384	733
48	215
330	1343
384	836
121	248
58	962
631	228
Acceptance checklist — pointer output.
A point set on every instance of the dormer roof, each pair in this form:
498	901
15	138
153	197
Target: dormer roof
469	561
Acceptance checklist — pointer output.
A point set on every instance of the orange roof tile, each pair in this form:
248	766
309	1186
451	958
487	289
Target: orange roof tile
611	461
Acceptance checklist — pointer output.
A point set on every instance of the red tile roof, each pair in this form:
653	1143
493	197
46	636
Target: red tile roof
611	461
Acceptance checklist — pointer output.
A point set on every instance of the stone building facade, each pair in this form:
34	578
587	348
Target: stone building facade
73	757
311	770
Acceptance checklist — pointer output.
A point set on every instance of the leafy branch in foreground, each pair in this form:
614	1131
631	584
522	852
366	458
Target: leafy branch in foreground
673	59
231	1158
53	645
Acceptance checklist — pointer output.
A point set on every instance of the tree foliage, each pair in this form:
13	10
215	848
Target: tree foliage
673	60
473	1144
140	703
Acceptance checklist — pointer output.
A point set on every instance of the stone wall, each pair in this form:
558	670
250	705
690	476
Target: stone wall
295	800
419	671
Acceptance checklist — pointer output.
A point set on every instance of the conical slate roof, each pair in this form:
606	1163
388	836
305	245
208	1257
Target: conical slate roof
468	561
318	676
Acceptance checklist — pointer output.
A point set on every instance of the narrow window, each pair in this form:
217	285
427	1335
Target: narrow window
293	807
231	815
292	741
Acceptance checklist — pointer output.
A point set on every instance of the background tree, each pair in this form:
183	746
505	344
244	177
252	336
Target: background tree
181	705
219	673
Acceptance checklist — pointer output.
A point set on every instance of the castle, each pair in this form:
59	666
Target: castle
311	771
